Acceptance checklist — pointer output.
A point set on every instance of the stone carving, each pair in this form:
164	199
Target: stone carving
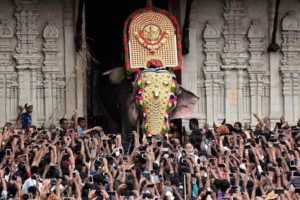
27	55
234	55
6	35
211	37
256	36
290	22
290	65
256	69
26	5
213	75
50	50
5	29
54	81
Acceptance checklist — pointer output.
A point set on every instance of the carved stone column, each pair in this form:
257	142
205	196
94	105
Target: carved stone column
6	68
234	58
70	70
256	69
40	98
53	79
212	71
27	53
276	102
6	35
290	66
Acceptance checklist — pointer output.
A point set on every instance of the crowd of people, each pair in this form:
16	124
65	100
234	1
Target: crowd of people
224	162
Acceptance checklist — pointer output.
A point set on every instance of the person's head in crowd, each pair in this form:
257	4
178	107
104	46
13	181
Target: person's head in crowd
81	122
238	126
193	124
64	123
28	107
223	129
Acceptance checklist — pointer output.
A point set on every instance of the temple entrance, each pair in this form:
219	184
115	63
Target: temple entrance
104	35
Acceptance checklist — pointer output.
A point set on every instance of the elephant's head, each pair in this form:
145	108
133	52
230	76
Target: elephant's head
156	98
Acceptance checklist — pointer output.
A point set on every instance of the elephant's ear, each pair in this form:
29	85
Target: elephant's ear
186	102
133	111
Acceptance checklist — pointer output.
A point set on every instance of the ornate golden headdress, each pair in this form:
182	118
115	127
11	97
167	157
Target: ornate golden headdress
152	36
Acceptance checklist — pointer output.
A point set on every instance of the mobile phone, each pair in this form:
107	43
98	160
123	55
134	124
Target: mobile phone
295	173
233	169
271	169
111	193
292	163
203	168
8	152
279	191
221	165
74	174
160	177
291	152
247	146
91	180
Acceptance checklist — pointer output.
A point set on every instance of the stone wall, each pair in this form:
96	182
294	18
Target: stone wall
230	68
38	62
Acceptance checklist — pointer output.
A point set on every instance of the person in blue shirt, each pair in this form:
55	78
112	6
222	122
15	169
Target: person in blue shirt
26	117
81	125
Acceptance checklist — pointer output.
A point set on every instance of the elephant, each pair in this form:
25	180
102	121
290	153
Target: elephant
155	99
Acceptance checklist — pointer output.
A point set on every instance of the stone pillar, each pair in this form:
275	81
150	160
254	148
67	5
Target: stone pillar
256	69
27	53
211	70
234	58
70	70
52	75
276	102
241	102
290	66
296	95
6	68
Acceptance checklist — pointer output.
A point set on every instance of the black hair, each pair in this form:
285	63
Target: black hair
79	119
239	124
61	121
194	121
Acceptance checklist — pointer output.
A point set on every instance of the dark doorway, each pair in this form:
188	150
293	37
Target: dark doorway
104	33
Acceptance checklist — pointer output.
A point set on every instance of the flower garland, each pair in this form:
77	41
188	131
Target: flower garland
140	100
171	104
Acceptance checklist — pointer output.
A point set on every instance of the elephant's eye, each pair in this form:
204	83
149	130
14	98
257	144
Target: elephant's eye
148	82
166	83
